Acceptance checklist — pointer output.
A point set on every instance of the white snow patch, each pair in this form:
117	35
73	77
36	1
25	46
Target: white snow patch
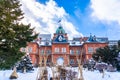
88	75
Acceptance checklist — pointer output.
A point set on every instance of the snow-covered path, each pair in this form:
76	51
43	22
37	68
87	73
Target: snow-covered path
88	75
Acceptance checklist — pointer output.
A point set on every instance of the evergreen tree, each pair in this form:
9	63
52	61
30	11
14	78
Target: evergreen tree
107	55
13	34
25	64
119	45
118	58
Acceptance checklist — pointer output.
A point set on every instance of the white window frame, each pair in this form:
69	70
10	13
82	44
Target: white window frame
23	49
29	49
64	50
71	51
42	51
77	51
48	51
90	50
57	50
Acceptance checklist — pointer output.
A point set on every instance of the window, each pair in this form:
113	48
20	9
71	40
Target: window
71	52
42	52
48	51
29	49
77	51
23	50
56	50
63	50
90	49
46	43
71	61
48	61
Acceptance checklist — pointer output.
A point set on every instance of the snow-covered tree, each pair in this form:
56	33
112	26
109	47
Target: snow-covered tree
25	64
90	64
107	54
118	62
71	75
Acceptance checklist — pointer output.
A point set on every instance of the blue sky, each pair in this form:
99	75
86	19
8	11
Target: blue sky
84	16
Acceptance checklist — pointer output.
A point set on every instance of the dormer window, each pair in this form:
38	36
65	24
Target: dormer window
46	43
73	42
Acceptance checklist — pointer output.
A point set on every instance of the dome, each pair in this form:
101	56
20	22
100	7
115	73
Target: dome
60	30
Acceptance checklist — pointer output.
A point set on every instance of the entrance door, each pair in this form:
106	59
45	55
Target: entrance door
60	61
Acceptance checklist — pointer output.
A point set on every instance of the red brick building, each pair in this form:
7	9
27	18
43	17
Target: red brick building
60	48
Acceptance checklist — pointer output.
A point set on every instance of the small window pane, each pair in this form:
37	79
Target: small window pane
71	61
42	52
90	49
78	52
71	52
56	50
29	49
63	50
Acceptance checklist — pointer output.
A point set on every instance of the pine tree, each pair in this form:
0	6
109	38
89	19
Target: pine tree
25	64
119	45
107	55
13	34
118	57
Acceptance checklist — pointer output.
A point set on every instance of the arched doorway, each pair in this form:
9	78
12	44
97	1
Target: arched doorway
60	61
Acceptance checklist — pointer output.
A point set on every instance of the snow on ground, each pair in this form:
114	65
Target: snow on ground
96	75
88	75
4	75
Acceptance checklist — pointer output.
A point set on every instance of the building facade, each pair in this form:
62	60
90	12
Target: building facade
61	50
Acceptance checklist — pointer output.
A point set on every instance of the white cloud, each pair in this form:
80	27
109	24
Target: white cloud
107	10
44	17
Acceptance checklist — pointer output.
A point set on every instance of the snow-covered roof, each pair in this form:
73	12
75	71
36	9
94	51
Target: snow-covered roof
74	43
45	43
44	36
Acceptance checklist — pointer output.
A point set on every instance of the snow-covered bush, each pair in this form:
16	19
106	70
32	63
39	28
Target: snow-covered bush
71	75
101	66
25	64
110	68
89	64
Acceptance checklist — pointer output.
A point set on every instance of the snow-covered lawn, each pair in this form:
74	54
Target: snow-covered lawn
88	75
4	75
96	75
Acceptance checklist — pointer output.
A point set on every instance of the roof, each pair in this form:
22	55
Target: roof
74	43
97	39
44	36
60	30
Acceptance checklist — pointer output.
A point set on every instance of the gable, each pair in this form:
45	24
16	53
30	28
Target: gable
59	39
